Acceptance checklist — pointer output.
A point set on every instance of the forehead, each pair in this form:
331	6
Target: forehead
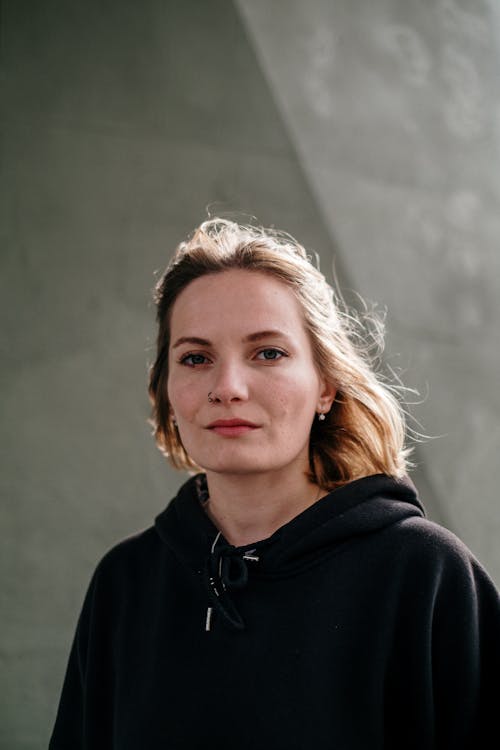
236	300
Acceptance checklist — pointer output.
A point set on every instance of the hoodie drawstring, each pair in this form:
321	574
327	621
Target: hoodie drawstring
226	570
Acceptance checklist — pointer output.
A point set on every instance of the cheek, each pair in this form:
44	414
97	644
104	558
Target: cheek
181	397
293	402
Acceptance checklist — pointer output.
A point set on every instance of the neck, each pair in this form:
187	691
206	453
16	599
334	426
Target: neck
248	508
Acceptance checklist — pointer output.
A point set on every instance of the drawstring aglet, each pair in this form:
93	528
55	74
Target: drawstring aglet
252	558
209	619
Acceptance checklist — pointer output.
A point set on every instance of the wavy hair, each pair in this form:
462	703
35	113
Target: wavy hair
364	432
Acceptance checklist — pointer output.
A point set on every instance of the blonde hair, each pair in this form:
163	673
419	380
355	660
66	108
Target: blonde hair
364	432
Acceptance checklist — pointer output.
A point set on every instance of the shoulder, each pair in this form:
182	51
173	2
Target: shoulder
136	543
121	576
129	558
426	550
419	535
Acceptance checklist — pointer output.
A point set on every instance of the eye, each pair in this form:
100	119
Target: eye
193	360
271	354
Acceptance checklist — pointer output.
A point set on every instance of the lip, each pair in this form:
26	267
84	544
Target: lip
232	427
235	422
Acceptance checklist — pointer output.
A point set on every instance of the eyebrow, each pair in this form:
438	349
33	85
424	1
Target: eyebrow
252	337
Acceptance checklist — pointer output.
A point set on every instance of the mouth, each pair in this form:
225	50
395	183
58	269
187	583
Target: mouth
232	427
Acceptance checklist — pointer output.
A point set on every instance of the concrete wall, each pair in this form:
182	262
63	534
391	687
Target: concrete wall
122	122
393	111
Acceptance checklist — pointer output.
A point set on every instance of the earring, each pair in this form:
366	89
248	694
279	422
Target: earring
321	417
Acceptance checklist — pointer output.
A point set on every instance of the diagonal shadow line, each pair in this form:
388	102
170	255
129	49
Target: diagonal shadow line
342	277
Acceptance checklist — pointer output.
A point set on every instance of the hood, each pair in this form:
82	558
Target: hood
360	507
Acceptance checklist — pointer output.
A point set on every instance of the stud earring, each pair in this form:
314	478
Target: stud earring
321	417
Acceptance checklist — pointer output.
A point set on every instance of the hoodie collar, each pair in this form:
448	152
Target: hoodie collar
360	507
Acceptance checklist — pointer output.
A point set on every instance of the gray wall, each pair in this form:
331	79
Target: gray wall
393	111
122	122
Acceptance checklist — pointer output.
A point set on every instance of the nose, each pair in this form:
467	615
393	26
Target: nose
229	383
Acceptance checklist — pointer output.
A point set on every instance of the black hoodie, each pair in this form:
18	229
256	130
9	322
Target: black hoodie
358	625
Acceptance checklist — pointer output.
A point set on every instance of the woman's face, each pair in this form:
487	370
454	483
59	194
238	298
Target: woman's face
242	382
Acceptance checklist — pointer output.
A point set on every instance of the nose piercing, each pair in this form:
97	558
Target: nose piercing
211	398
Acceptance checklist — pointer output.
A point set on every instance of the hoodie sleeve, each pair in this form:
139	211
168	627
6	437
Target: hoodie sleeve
84	714
443	674
465	653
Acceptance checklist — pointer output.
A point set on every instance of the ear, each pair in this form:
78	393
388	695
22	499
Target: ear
326	397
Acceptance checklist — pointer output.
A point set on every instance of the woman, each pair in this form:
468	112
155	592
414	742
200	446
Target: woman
292	594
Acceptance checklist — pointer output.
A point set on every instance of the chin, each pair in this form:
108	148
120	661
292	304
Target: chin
234	467
248	468
239	458
234	464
